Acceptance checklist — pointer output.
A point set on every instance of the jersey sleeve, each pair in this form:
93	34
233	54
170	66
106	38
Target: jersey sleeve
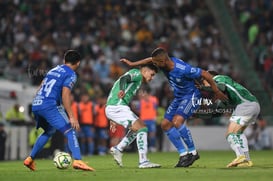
192	72
70	81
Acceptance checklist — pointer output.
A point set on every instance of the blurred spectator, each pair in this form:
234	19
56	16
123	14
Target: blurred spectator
3	138
86	120
14	115
264	140
101	126
102	69
18	132
259	137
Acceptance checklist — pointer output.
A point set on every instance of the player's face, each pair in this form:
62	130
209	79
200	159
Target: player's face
159	60
148	75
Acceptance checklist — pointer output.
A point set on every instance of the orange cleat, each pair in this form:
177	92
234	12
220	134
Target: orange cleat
79	164
29	162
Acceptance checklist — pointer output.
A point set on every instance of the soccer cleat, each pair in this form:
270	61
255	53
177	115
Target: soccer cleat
148	164
117	155
29	162
239	160
185	160
246	164
195	157
79	164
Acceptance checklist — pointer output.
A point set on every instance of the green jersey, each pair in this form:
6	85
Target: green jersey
237	94
130	89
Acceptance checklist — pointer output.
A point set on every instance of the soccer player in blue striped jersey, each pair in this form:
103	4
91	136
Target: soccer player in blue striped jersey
52	110
181	77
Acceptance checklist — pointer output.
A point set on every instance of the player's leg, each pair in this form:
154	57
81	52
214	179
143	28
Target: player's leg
59	120
235	143
174	136
243	115
41	140
121	115
183	112
142	144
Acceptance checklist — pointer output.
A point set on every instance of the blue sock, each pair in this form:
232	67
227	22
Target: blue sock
185	133
91	147
175	138
152	142
73	144
102	149
40	143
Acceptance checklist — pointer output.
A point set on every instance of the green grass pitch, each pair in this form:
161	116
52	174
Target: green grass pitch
210	167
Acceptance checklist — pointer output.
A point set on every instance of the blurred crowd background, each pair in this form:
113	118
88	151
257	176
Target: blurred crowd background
35	34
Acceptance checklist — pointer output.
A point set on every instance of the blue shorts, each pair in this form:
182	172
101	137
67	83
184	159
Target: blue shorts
52	119
102	133
184	106
151	125
86	131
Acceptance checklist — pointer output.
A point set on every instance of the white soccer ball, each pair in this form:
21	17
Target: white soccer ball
62	160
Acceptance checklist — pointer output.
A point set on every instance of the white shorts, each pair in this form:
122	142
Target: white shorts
121	114
245	113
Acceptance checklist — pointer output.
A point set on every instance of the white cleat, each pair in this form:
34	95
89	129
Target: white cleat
148	164
117	156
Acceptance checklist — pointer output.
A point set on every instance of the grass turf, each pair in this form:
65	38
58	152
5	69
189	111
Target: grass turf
211	166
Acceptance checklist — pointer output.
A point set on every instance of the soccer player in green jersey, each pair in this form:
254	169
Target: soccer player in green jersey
246	111
118	112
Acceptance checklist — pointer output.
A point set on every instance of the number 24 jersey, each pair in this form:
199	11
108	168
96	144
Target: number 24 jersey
50	92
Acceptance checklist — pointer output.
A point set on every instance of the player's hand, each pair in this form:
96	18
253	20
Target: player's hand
74	124
121	94
113	126
126	61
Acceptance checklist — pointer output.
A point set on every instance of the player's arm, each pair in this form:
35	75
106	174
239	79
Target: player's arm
124	80
137	63
218	93
66	99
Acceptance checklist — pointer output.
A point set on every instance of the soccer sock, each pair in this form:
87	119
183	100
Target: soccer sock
91	148
142	144
185	133
152	142
40	143
244	146
175	138
73	144
234	143
127	140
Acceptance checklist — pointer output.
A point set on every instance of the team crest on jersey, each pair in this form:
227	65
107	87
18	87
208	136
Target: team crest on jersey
193	70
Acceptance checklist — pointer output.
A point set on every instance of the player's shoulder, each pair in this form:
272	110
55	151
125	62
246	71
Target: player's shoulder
221	77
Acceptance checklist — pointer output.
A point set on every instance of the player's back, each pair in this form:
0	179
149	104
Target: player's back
50	92
236	92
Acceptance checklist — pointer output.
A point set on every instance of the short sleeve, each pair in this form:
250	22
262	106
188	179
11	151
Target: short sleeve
70	81
193	72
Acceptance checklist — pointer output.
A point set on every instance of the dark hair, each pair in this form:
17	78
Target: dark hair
72	56
150	66
158	51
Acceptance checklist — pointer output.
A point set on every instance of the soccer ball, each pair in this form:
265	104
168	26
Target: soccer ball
62	160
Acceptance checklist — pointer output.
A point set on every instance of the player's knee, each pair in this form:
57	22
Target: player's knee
137	125
166	125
